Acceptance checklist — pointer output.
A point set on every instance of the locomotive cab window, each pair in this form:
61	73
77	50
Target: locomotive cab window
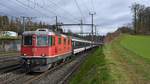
42	41
50	41
27	40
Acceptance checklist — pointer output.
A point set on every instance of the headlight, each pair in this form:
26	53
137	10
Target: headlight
23	54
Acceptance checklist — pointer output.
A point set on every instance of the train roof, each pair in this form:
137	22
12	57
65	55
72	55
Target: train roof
44	32
80	40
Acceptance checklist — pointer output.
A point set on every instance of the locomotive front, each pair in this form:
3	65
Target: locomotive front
43	48
35	49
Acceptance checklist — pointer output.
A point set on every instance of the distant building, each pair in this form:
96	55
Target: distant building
8	34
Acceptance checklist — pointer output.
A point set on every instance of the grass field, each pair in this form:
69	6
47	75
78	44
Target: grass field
138	44
129	59
126	60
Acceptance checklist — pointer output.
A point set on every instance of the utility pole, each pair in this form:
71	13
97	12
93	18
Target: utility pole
24	22
92	14
2	23
24	28
56	24
81	27
95	32
135	14
56	20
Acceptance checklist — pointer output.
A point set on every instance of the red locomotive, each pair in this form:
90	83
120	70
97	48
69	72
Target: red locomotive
43	48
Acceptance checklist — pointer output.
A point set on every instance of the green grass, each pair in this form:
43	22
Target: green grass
123	61
127	65
137	44
93	70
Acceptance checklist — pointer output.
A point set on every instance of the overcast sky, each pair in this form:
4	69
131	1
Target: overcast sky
110	14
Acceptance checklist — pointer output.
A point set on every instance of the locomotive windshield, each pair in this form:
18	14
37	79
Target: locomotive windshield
42	41
27	40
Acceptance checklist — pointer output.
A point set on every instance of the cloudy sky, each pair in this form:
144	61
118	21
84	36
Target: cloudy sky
110	14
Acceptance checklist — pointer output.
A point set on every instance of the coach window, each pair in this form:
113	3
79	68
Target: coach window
59	40
42	41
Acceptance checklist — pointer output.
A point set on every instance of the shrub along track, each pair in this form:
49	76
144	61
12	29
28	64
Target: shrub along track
125	66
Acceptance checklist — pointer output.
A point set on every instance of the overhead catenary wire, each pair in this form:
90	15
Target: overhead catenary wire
40	13
85	5
67	12
42	7
32	8
92	5
25	6
80	11
87	8
9	7
22	14
53	7
45	14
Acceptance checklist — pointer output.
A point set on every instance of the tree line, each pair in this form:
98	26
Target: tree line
141	18
17	24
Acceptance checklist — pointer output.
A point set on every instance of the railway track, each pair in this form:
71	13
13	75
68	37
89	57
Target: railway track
26	78
57	75
65	78
32	80
8	59
8	78
7	64
10	68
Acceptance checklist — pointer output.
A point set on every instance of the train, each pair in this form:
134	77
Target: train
44	48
